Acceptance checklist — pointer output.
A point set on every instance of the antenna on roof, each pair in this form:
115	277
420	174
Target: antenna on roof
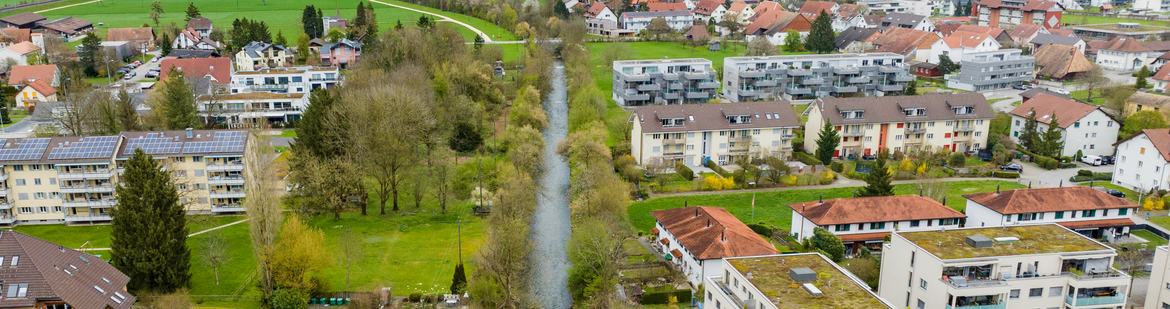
821	200
1029	184
708	221
944	201
722	234
919	191
996	189
854	193
1061	184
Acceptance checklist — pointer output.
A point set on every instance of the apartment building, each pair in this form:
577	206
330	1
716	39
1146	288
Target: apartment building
1151	5
801	280
259	55
695	134
864	222
992	70
1085	210
1008	14
638	21
695	239
813	76
285	80
1019	266
1142	160
956	122
45	275
1158	291
72	179
960	43
1083	127
1123	54
665	81
1106	32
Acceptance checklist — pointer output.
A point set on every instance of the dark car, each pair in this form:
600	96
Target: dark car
1108	160
869	157
123	70
1016	168
1020	87
1116	193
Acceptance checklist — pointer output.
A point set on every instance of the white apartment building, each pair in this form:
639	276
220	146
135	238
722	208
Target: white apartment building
1142	160
285	80
916	7
812	76
274	96
638	21
1158	291
696	239
1016	267
802	280
72	179
695	134
664	81
1083	127
1123	54
1151	5
866	221
956	122
1085	210
960	44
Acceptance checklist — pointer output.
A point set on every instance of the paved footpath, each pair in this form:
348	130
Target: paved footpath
486	38
192	234
841	182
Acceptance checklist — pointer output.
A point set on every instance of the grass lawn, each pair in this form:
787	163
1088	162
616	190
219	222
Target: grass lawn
996	100
288	133
1091	20
280	16
1084	94
15	115
771	207
973	161
1155	240
1129	194
1161	221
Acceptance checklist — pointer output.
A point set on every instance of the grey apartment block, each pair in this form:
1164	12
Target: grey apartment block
992	70
813	76
665	81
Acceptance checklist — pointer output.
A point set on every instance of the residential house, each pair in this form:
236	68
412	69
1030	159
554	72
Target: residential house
874	20
708	9
741	10
1161	79
857	39
191	39
20	52
845	20
301	80
993	70
1156	293
609	28
667	6
765	6
1141	101
1032	93
35	92
139	38
638	21
1087	211
945	30
914	44
908	21
599	11
248	110
69	28
664	81
952	122
1008	14
1156	48
258	55
24	20
217	69
209	165
13	35
1022	35
331	22
192	53
341	54
780	281
916	7
1122	54
1061	62
863	222
1013	267
1083	127
21	75
998	34
41	274
1108	31
1151	5
119	49
812	76
1040	40
698	238
774	25
1064	32
697	33
811	9
925	69
203	26
723	133
961	43
1150	146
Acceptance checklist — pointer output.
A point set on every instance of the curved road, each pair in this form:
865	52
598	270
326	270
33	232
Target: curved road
486	38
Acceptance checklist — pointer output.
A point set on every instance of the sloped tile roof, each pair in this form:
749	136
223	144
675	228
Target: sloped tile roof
855	34
1149	99
16	35
1163	73
1067	111
765	6
1159	46
903	20
737	6
965	39
874	209
1159	137
1124	44
42	87
812	9
218	68
1064	32
709	117
1025	30
1042	39
712	233
890	108
199	23
707	7
23	18
130	34
946	29
993	32
23	48
52	272
1048	200
68	25
595	9
903	41
667	6
1058	60
22	73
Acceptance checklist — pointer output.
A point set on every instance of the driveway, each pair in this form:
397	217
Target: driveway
1038	177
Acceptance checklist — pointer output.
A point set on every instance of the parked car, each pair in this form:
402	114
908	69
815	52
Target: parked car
1092	160
1016	168
868	157
137	63
1115	192
1107	160
1061	91
129	75
1022	87
123	70
156	58
151	74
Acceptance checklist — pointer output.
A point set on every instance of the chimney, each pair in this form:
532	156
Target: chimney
708	221
821	200
1029	184
996	189
190	133
723	234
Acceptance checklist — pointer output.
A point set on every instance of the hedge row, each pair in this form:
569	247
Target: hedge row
1044	162
1092	176
807	158
663	297
836	166
684	171
999	174
718	169
762	229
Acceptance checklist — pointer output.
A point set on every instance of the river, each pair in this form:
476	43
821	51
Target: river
551	225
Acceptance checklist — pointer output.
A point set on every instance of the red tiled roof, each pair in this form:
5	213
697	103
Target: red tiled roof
965	39
218	68
55	273
595	9
766	6
1124	44
946	29
778	21
707	7
863	237
1164	72
993	32
1097	223
737	6
712	232
1048	199
1067	111
874	209
667	6
16	35
654	231
902	41
812	9
23	48
130	34
1159	137
42	87
676	254
664	241
1107	6
1064	32
1025	30
22	73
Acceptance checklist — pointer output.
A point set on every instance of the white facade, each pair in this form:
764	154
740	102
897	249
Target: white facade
285	80
915	277
906	134
916	7
716	14
694	268
1151	5
803	228
960	50
1158	291
694	143
1122	61
842	23
638	21
735	288
606	14
1093	134
981	216
1140	165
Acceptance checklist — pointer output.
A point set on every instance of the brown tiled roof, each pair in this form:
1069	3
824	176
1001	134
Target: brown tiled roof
766	6
22	73
863	237
993	32
1149	99
849	7
1033	5
1025	30
42	87
1124	44
711	117
1048	199
737	6
675	253
1067	111
23	18
23	48
1028	94
1059	60
812	9
707	7
889	109
68	25
874	20
1159	137
772	22
218	68
1064	32
1159	46
16	35
654	231
1097	223
965	39
712	232
55	273
903	41
663	241
130	34
697	33
199	23
1163	73
947	29
667	6
595	9
874	209
902	20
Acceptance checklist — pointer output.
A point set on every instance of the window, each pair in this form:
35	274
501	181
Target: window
1108	123
56	208
1036	292
1017	123
15	258
868	138
878	225
42	210
921	304
912	253
37	181
1088	213
182	187
18	168
1077	124
1014	294
841	227
40	195
929	135
914	223
20	182
898	137
26	210
1055	291
1059	215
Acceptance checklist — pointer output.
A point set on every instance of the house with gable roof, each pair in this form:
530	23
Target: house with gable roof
191	39
774	25
599	11
1146	157
41	274
959	44
258	55
1122	54
863	222
696	239
709	9
1085	210
908	21
35	92
1008	14
1083	127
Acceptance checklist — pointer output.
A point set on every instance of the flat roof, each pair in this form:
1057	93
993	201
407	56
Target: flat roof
1113	28
813	56
661	61
1033	239
770	276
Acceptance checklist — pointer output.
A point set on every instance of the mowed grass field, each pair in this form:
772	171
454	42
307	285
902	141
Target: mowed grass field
280	15
772	207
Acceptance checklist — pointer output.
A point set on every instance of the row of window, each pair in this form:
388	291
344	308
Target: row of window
1060	214
882	225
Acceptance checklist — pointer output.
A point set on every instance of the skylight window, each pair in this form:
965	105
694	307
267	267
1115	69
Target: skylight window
15	258
103	291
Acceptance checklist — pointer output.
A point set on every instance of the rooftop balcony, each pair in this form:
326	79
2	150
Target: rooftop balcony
93	218
633	77
776	70
700	75
960	283
800	72
751	73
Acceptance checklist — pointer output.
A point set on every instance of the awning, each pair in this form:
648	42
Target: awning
1097	223
654	231
664	241
676	253
863	237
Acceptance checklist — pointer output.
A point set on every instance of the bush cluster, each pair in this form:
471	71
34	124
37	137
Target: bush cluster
718	169
663	297
684	171
807	158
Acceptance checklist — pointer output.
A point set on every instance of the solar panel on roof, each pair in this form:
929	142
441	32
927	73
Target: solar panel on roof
91	148
153	145
227	141
26	149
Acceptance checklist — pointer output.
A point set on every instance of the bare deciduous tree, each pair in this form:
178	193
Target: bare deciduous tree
263	204
215	252
351	252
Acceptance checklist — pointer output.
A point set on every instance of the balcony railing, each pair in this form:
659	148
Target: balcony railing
227	194
1090	301
776	71
1108	273
1001	305
765	83
751	73
103	217
915	130
7	220
649	87
845	70
700	75
94	174
222	180
231	166
976	283
87	189
844	89
890	87
5	205
748	92
813	81
93	203
890	69
5	192
697	95
227	208
853	133
708	85
323	79
859	80
964	129
670	76
797	91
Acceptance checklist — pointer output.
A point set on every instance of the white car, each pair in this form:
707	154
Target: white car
1061	91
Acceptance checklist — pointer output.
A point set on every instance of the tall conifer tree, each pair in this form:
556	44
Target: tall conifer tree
149	229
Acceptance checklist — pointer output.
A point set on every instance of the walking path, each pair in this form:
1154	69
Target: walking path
192	234
65	6
486	38
840	183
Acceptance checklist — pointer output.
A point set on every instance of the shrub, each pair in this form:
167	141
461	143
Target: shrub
1047	163
807	158
684	171
836	166
898	155
762	229
957	160
1066	159
999	174
718	183
715	167
826	178
1068	165
415	297
663	297
1085	173
287	299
